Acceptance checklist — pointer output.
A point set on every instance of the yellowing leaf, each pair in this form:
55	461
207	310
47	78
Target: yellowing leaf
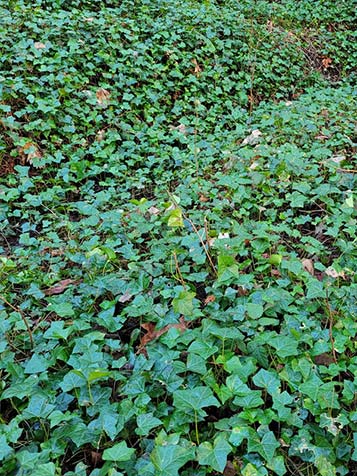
175	218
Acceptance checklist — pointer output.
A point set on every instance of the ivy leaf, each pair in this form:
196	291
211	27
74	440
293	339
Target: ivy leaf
5	449
36	364
324	467
146	422
175	218
167	460
315	289
267	380
268	446
285	346
118	452
194	399
183	304
255	311
214	455
46	469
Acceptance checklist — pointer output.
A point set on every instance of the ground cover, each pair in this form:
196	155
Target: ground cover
178	290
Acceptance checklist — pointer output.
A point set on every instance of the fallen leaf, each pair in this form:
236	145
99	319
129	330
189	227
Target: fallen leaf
103	96
209	299
60	287
253	138
29	152
326	62
337	159
334	274
39	46
308	266
153	211
100	135
197	70
152	333
324	359
55	252
203	199
229	470
125	298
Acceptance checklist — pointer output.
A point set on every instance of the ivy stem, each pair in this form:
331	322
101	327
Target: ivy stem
196	430
24	318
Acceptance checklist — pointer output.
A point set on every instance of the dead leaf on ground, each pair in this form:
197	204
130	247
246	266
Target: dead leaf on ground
100	135
39	46
125	298
308	266
334	274
153	211
52	252
103	96
198	69
28	152
209	299
153	334
326	62
60	287
229	470
324	359
337	159
253	138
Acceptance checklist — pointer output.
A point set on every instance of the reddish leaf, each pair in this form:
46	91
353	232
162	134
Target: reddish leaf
60	287
152	333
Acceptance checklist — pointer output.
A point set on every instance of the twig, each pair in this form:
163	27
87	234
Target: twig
330	328
179	271
347	171
197	233
24	318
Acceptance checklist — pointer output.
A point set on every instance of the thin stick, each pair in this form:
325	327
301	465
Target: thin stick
197	233
330	328
347	171
24	318
179	271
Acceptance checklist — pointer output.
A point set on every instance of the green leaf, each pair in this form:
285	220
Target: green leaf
167	460
269	445
62	309
5	449
324	467
183	304
214	455
194	399
250	470
285	346
46	469
175	218
268	380
97	374
255	311
36	364
118	452
146	422
315	289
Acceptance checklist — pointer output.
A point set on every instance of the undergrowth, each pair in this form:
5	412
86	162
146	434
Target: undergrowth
178	291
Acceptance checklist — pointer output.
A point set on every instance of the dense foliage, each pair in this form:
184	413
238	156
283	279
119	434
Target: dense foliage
178	290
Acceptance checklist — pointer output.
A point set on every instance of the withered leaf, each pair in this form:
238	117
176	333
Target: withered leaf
308	266
103	96
60	287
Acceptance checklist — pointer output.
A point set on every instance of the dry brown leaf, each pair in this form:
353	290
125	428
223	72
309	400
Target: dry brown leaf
153	211
55	252
100	135
209	299
103	96
229	470
152	333
324	359
308	266
326	62
253	138
29	152
334	274
39	46
60	287
198	69
125	298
